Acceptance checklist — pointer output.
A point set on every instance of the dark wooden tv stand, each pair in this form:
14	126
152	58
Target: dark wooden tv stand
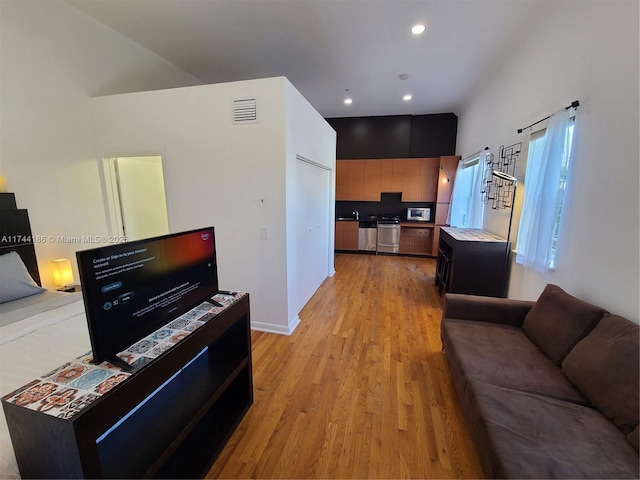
170	419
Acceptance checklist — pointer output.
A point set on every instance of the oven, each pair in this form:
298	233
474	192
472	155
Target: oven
388	235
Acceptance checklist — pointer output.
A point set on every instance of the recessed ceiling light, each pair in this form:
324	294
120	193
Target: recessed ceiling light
348	101
407	97
418	29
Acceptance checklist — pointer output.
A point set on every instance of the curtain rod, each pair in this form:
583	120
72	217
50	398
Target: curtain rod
474	155
574	104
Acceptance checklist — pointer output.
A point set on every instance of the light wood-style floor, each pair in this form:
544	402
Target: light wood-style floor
361	389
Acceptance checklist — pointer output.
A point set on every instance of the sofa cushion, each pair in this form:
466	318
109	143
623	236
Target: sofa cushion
558	321
503	355
634	438
604	366
521	435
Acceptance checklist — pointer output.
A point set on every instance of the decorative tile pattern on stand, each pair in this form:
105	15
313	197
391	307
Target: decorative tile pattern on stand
66	390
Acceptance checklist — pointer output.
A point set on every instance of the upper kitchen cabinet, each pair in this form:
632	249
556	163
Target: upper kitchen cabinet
410	180
432	135
355	181
365	180
349	180
342	180
372	137
372	180
420	179
395	136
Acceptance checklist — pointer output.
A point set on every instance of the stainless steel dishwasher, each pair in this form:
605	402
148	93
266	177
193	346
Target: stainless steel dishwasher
367	236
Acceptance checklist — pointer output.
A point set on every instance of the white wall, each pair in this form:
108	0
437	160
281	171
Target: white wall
310	245
53	59
230	176
586	51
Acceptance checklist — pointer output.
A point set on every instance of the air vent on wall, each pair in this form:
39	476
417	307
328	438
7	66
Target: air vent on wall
245	110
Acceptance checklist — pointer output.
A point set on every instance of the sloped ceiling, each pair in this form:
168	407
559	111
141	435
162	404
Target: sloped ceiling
325	47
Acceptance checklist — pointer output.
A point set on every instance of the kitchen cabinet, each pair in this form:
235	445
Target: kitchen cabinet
397	175
372	180
392	175
342	179
449	165
386	181
410	180
346	235
395	136
420	180
355	180
442	211
416	238
428	186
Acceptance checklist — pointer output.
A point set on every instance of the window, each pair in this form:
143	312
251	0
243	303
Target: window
467	208
545	185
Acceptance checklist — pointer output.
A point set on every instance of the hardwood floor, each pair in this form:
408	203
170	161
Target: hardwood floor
361	389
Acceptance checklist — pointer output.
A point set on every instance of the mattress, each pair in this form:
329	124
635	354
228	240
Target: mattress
44	335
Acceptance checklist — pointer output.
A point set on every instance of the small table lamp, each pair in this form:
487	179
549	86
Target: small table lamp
63	275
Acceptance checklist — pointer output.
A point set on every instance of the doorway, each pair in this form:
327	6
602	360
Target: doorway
313	186
135	196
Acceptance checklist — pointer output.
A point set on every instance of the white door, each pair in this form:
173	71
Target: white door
312	204
137	197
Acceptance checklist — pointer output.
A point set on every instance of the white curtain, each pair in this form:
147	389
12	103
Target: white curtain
542	196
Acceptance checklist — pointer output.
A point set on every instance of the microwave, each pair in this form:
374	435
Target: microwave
420	214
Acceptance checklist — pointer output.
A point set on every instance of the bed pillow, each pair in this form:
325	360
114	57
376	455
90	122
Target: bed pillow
15	281
558	321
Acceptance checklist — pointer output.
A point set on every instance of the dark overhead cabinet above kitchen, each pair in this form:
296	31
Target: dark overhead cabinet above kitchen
396	136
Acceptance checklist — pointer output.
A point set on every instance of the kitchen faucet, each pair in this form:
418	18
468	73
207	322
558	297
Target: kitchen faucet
357	214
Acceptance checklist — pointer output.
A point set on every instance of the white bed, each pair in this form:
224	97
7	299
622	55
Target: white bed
38	334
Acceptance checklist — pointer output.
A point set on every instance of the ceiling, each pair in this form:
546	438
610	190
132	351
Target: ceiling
325	47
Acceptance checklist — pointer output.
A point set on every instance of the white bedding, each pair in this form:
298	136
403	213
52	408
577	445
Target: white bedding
30	348
22	308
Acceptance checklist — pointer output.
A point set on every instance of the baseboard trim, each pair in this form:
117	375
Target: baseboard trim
279	329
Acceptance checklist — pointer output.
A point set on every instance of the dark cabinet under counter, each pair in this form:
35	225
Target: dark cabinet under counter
473	262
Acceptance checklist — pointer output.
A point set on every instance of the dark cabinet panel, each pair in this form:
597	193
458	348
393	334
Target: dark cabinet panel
396	136
434	135
372	137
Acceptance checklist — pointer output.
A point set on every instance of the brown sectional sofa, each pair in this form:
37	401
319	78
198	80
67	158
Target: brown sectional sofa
549	388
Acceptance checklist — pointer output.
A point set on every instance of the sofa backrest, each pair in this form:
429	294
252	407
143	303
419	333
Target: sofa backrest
558	321
605	368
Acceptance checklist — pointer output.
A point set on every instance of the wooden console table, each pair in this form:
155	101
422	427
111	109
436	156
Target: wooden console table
169	419
472	261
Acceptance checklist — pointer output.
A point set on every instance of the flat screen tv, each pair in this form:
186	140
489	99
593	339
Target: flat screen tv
131	289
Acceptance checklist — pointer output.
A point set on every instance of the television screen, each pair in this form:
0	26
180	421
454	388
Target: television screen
131	289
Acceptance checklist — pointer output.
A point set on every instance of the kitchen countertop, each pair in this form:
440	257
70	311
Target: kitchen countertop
417	224
472	235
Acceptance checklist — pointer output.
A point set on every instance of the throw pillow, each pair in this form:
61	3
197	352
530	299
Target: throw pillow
604	366
558	321
15	281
